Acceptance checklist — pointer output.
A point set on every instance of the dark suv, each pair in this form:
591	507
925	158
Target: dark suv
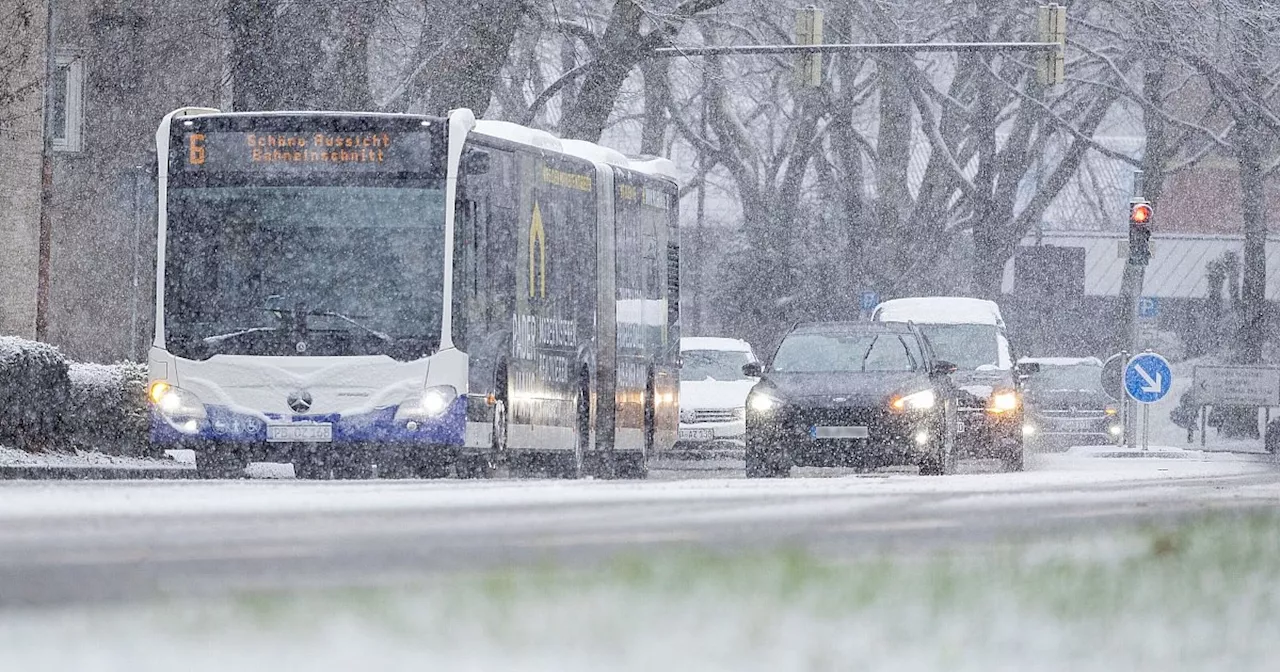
1066	404
851	394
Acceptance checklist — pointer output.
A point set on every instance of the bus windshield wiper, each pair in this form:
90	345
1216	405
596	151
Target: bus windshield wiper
329	313
218	338
302	312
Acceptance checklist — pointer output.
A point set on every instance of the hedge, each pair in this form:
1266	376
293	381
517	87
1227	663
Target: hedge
47	403
107	409
34	391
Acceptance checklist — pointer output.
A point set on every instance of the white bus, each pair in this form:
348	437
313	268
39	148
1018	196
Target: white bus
426	295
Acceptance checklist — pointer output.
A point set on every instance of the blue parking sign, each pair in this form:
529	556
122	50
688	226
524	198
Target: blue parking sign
869	300
1148	307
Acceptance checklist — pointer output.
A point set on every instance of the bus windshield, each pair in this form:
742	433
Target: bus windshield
305	270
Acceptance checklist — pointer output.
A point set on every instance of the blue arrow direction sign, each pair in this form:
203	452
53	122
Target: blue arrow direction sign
1147	378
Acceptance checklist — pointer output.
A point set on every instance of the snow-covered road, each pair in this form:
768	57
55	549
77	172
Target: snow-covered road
78	542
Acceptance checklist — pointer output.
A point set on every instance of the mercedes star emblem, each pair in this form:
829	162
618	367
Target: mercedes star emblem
300	401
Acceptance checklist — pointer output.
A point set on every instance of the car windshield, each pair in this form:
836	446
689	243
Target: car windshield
842	353
713	365
968	346
1074	378
304	270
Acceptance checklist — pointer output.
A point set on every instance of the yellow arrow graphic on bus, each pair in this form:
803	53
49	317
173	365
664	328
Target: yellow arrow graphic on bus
537	245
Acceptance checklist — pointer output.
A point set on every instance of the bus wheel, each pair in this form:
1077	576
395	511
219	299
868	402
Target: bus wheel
573	465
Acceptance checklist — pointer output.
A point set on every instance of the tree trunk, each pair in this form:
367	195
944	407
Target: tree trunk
477	53
603	81
1253	201
988	266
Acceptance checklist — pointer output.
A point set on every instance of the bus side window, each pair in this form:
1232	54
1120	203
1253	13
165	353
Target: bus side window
500	290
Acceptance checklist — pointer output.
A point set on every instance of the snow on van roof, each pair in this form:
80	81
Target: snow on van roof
714	343
1062	361
939	310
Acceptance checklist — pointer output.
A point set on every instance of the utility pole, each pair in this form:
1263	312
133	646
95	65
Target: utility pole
45	249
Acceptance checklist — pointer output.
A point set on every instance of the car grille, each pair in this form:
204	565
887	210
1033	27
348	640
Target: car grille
716	415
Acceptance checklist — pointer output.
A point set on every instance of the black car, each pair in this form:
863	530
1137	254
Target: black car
1066	404
851	394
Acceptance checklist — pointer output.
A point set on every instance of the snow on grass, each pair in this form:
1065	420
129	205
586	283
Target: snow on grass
1199	596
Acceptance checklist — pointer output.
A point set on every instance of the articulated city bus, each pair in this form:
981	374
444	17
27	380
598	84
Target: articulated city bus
425	295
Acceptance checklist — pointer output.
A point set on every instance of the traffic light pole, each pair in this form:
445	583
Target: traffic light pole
1139	254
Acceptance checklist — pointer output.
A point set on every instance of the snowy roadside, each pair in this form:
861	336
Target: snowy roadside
88	465
1196	596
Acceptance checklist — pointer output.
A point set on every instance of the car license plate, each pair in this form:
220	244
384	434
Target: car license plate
839	433
303	432
697	435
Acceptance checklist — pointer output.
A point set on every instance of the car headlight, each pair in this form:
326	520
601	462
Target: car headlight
1003	402
916	401
432	403
687	415
1028	430
762	402
182	409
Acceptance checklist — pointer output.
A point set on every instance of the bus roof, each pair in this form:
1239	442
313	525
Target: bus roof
590	151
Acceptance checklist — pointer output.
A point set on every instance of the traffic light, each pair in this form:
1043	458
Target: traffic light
809	33
1051	26
1140	215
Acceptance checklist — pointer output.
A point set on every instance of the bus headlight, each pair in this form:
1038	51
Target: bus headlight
432	403
182	409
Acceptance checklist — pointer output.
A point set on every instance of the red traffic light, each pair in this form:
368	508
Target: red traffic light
1140	214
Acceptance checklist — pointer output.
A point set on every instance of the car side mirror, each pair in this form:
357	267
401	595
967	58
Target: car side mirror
1024	370
944	368
752	370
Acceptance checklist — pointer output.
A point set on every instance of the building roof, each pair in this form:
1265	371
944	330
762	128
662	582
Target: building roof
1176	270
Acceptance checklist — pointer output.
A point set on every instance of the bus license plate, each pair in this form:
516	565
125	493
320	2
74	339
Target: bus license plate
311	432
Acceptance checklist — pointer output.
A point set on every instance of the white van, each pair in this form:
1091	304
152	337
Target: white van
970	333
713	392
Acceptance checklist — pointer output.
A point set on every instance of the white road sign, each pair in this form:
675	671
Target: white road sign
1237	385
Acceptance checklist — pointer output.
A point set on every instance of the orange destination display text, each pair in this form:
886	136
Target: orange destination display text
319	148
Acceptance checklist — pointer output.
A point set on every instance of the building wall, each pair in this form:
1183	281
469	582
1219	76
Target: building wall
143	58
22	22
